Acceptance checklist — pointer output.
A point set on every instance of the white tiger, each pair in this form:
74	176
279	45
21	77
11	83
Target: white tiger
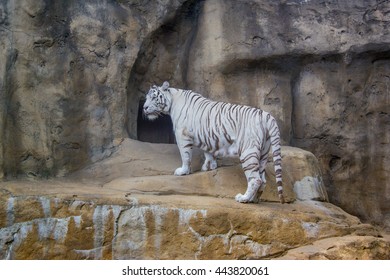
219	129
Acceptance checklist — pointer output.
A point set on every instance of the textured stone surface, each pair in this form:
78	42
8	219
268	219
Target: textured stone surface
344	248
64	74
73	225
148	168
73	73
119	213
348	131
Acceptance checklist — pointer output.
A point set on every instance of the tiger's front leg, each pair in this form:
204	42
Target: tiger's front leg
185	144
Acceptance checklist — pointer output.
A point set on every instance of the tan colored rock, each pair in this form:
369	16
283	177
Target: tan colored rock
343	248
348	132
129	209
148	168
173	227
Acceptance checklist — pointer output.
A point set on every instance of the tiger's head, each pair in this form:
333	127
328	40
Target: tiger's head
158	101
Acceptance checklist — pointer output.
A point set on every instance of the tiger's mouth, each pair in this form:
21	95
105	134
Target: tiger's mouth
151	116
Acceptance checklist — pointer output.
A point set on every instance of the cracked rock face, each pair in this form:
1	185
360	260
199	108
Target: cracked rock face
66	228
63	78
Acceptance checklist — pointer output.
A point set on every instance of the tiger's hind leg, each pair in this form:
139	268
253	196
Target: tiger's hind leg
251	166
263	163
251	192
210	163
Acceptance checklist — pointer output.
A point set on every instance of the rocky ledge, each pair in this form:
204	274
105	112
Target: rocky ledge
130	207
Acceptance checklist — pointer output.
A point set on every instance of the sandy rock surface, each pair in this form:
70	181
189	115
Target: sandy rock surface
112	210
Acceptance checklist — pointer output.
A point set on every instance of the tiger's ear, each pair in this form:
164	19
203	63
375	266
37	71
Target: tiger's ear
152	87
165	85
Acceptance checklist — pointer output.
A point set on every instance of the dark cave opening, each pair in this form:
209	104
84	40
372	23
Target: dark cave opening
157	131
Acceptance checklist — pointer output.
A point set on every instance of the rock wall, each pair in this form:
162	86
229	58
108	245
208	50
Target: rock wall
64	79
73	73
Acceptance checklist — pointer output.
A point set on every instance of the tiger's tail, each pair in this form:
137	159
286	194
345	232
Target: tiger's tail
274	134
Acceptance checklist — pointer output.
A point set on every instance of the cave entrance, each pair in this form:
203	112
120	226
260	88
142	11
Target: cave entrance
157	131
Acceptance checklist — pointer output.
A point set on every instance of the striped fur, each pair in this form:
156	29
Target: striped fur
220	129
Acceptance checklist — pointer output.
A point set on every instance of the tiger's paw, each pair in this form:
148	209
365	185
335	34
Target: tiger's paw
209	165
241	198
182	171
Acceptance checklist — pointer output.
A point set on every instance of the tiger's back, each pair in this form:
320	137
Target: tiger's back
222	129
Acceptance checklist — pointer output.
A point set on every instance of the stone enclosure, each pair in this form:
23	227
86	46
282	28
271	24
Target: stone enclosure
72	79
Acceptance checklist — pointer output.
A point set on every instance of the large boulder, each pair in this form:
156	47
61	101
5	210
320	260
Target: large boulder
148	168
130	206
